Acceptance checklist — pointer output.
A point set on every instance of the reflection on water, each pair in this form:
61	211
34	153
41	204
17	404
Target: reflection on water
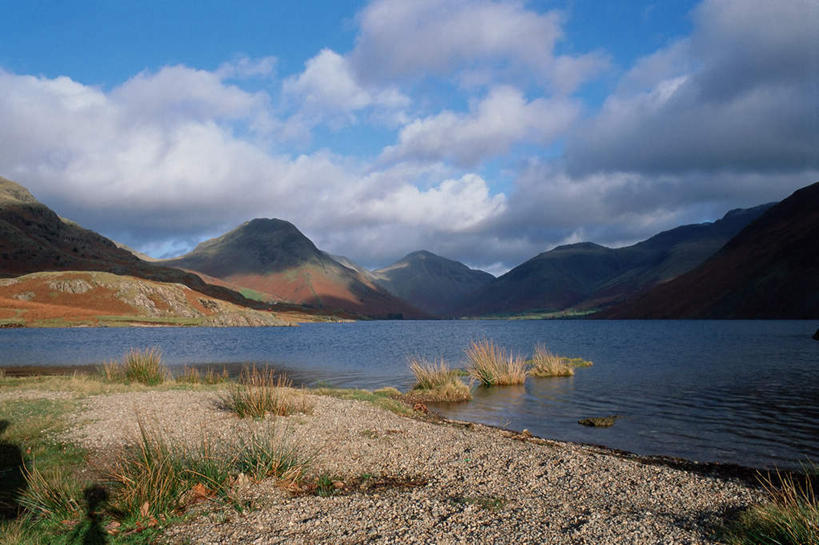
732	391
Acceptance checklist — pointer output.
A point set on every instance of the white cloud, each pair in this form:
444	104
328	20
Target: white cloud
246	67
327	89
400	39
130	164
503	118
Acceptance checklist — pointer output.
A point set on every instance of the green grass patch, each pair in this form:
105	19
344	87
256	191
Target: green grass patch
484	502
379	398
789	516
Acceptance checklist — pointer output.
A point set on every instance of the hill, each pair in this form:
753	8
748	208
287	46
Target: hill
60	299
430	282
272	257
34	239
588	276
769	270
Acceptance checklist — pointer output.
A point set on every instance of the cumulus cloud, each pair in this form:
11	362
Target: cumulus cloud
328	90
738	94
399	40
153	171
503	118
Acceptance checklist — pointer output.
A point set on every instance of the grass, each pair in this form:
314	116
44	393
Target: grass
384	398
435	381
260	391
547	364
142	366
156	478
192	375
790	516
492	365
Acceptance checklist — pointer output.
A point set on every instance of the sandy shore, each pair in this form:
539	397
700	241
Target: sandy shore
451	483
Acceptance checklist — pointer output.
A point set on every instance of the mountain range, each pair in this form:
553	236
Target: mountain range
769	270
756	262
587	276
277	262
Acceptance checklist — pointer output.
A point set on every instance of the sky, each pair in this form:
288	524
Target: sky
486	131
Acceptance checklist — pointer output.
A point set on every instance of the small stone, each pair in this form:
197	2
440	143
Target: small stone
599	421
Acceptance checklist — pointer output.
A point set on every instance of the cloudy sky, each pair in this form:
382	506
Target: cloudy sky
483	130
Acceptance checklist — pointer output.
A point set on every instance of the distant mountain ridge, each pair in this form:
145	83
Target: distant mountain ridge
33	239
587	275
274	258
430	282
768	270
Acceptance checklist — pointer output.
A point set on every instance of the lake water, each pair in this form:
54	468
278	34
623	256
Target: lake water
744	392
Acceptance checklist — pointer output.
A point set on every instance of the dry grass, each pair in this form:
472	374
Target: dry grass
492	365
143	366
192	375
789	517
546	364
435	381
155	477
261	391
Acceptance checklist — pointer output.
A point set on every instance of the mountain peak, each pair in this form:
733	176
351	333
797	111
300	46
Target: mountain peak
11	192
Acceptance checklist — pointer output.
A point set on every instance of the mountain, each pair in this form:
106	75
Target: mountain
273	258
430	282
586	275
60	299
34	239
769	270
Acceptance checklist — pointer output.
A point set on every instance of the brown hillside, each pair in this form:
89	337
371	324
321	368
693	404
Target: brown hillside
97	298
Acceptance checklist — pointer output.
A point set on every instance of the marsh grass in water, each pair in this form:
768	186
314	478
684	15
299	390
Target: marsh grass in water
790	516
492	365
261	391
544	363
435	381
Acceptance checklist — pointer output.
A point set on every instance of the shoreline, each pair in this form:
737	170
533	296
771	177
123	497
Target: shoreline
439	480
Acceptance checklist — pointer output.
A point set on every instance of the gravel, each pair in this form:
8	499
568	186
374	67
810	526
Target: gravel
471	483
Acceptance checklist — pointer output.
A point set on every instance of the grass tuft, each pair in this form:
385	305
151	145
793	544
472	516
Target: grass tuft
155	477
143	366
544	363
260	391
435	381
492	365
789	517
51	494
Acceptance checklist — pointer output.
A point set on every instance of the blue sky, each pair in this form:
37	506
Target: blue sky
484	130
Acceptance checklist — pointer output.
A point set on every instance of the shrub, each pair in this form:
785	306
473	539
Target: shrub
435	381
260	391
494	366
789	517
546	364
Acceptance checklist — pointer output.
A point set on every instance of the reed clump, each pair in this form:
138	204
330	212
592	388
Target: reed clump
789	517
192	375
142	366
436	382
260	391
156	477
545	363
492	365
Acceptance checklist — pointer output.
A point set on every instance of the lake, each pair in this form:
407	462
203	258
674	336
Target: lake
743	392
